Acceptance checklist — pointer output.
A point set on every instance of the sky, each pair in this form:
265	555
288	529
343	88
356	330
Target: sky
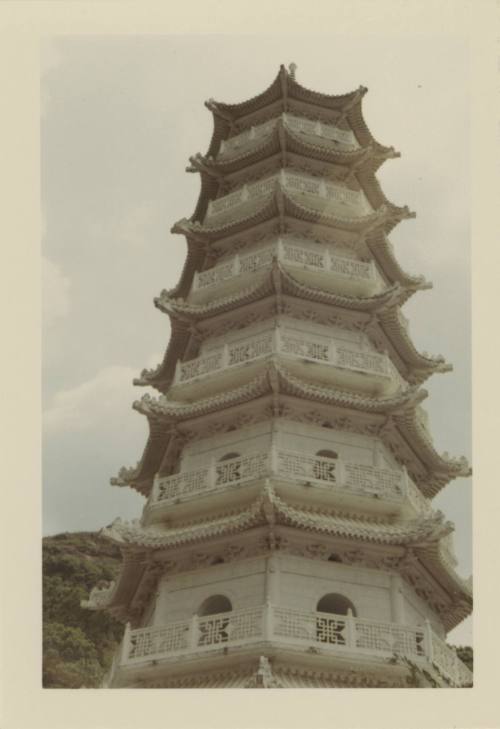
120	118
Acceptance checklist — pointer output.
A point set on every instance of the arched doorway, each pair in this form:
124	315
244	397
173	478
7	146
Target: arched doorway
214	630
333	630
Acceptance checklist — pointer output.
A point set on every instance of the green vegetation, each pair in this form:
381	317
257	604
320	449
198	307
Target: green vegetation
78	644
466	655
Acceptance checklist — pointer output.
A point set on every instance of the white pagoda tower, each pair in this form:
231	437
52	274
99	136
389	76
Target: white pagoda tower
288	538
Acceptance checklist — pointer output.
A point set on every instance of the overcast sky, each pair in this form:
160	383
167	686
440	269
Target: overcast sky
120	117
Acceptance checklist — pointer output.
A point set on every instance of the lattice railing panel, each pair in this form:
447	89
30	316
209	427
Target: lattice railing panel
217	275
370	479
300	256
317	193
292	254
254	261
389	637
240	626
200	366
362	361
309	127
287	625
182	484
305	347
351	268
304	467
153	641
250	349
242	468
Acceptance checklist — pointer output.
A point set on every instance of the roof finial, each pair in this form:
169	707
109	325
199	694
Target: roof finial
292	68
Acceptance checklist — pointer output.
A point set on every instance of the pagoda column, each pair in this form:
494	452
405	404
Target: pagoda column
397	601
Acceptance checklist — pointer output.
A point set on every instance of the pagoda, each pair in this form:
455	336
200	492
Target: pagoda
288	538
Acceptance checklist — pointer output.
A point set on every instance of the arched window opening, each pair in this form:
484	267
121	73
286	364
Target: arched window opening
336	604
333	630
215	604
228	472
324	469
228	456
214	630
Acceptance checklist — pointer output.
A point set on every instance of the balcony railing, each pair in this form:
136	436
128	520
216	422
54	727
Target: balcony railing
320	132
334	475
325	632
314	192
322	265
292	344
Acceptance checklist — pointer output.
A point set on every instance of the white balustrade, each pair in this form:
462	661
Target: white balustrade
291	254
323	472
318	193
304	467
300	347
369	362
292	344
370	480
301	125
327	632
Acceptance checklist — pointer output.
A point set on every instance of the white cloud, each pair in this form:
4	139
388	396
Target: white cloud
104	399
55	286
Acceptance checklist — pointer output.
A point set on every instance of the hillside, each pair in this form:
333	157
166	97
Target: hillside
78	644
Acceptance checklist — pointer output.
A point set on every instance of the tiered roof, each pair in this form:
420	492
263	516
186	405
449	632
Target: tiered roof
417	539
396	418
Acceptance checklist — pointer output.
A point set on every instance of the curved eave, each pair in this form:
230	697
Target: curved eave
280	205
208	191
460	596
296	144
162	375
162	414
139	477
384	256
193	261
269	508
419	364
278	279
441	468
183	314
284	87
363	162
431	556
277	378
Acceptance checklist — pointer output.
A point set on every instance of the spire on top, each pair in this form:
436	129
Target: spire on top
292	68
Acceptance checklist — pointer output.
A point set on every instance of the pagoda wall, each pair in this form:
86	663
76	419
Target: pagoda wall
337	334
303	437
294	581
180	596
